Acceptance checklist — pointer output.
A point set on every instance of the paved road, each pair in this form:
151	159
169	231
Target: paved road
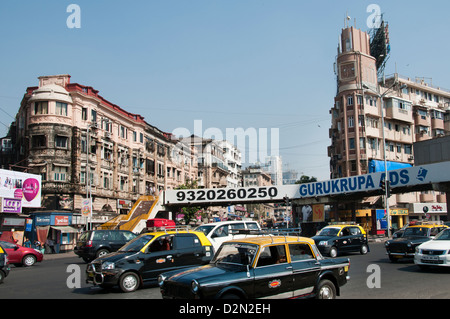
48	280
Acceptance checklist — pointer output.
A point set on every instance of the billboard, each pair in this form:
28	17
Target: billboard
23	186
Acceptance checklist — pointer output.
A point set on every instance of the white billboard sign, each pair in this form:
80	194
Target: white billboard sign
24	186
411	176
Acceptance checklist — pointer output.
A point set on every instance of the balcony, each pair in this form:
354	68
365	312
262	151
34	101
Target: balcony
399	114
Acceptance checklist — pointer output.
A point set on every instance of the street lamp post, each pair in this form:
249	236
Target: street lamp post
386	176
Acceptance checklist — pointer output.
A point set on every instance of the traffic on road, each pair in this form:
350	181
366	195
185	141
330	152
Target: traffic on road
184	264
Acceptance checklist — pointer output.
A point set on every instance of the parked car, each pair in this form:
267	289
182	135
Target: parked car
342	238
96	243
435	252
413	236
219	232
4	264
21	256
260	267
145	257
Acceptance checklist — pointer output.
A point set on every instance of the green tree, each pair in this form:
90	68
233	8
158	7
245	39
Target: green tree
189	211
306	179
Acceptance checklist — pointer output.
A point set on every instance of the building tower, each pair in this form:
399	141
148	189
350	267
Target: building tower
355	69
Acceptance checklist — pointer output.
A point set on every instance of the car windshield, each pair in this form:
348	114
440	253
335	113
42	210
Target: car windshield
206	229
236	253
416	231
443	235
329	231
136	244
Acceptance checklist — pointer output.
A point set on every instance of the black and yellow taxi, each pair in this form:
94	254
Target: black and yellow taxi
342	238
260	267
404	247
4	264
142	259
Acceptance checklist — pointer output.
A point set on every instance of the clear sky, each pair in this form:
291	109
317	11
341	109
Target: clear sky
247	64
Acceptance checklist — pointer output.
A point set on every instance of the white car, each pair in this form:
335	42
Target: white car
219	232
435	252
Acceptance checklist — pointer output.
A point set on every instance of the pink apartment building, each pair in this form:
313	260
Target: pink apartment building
414	111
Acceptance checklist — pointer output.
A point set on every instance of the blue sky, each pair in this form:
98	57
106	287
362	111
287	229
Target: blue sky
229	63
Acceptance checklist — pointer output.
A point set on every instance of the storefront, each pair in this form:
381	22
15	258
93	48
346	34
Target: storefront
54	229
428	211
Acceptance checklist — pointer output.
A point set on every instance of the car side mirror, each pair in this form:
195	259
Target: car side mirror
16	247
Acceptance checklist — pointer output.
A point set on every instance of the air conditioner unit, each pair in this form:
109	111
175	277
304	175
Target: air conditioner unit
108	134
411	158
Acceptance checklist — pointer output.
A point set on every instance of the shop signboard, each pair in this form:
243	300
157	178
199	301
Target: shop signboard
23	186
11	205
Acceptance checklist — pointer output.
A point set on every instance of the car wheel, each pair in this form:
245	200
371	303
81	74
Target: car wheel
129	282
326	290
364	249
102	252
28	260
333	252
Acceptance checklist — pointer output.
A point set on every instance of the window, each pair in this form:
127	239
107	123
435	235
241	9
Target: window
423	114
351	121
408	149
84	114
61	108
185	241
60	173
350	100
221	231
300	252
351	143
38	141
93	116
61	141
41	107
272	255
362	143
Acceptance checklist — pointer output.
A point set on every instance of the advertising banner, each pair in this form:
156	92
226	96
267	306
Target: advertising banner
86	207
22	186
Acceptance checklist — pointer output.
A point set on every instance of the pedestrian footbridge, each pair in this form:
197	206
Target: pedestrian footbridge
418	178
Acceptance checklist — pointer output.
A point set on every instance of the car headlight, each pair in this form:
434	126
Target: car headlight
194	286
108	265
323	243
417	250
386	243
161	279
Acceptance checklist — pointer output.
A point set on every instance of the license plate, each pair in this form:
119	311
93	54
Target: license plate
430	257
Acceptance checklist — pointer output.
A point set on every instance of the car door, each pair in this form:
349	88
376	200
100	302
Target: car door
159	257
189	250
273	277
219	235
344	240
305	268
356	238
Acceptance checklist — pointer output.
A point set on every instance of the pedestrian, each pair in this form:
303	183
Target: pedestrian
51	244
27	243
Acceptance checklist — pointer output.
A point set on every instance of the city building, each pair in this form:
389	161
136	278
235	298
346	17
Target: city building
79	142
256	176
274	167
233	161
414	110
